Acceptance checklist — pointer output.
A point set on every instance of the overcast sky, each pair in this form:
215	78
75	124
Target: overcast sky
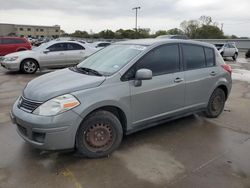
97	15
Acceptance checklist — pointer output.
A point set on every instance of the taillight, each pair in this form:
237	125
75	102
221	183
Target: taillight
227	68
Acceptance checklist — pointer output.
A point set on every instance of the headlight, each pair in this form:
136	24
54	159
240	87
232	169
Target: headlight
57	105
10	58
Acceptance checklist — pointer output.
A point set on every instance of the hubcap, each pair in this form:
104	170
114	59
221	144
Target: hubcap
29	66
99	137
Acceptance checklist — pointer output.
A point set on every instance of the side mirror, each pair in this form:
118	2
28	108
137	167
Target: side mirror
142	74
46	51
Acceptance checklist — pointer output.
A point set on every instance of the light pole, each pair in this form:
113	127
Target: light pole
136	13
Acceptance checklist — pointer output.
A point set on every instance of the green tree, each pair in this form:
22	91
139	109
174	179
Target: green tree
203	28
209	32
190	28
175	31
205	20
128	33
160	32
106	34
80	34
143	33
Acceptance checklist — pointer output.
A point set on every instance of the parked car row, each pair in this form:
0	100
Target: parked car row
54	54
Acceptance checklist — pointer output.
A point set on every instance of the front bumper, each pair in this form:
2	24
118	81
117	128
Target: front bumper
48	133
11	65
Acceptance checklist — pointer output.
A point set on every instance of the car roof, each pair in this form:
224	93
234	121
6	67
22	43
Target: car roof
62	41
159	41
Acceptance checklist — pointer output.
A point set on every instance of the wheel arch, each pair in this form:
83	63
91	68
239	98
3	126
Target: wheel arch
118	112
225	89
30	58
21	49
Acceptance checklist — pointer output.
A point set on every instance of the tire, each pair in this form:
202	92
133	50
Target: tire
29	66
99	135
235	56
216	103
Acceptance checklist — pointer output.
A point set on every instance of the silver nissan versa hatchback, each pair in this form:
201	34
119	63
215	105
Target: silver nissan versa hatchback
126	87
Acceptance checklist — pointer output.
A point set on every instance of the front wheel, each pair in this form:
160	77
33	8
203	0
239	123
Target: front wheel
99	135
235	56
29	66
216	103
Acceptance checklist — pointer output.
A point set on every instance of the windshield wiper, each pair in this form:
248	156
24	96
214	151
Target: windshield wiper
88	70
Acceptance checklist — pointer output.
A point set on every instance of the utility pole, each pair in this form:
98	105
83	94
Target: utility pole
136	14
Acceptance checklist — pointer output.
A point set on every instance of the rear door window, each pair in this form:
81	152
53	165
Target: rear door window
74	46
194	56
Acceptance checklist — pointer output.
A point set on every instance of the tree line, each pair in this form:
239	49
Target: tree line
202	28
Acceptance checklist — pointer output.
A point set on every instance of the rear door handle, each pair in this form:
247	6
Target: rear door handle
178	80
213	73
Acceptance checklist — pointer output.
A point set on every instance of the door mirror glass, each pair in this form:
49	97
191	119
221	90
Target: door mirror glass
143	74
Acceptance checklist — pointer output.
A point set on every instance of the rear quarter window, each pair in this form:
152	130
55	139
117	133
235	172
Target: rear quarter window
210	57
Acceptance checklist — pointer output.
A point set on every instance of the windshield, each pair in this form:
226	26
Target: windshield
41	47
219	45
112	58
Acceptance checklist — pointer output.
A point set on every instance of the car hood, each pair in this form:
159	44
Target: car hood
21	53
58	83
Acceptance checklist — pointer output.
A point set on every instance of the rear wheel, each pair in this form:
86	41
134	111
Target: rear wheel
29	66
216	103
99	135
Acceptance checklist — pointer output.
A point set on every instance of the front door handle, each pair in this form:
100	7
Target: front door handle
213	73
178	80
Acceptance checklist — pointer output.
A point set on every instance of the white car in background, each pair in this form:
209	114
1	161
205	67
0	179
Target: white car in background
54	54
228	50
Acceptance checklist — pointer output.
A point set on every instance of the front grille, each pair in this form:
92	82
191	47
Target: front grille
28	105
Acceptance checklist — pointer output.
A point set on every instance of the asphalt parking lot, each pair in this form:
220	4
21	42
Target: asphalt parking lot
189	152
